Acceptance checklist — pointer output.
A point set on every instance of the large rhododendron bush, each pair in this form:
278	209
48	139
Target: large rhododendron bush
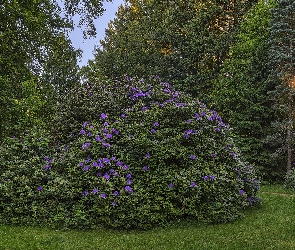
149	155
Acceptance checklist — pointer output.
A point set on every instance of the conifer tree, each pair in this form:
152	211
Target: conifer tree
282	77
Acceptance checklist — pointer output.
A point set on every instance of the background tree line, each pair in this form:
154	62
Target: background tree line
235	55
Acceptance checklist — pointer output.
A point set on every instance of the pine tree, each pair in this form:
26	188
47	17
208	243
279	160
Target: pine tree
282	77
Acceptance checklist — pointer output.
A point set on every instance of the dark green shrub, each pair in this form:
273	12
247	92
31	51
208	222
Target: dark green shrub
21	175
164	157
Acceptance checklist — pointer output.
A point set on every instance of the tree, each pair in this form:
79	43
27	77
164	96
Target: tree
241	90
30	33
184	42
281	58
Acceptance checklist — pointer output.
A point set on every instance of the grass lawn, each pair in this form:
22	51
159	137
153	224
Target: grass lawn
270	227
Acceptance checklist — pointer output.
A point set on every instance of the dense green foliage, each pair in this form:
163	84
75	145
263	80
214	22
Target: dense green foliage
241	91
184	42
166	156
137	153
281	60
37	59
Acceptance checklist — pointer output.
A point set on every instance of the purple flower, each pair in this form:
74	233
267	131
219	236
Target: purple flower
213	155
103	116
128	182
114	203
233	154
128	189
128	176
212	177
119	163
113	158
123	115
217	129
47	167
188	121
86	168
101	165
106	160
116	193
145	168
95	191
86	124
103	196
246	180
197	116
91	127
206	178
85	193
171	185
106	124
95	164
39	188
116	174
82	132
193	184
97	138
81	164
89	134
115	131
112	170
192	157
106	176
241	191
48	159
148	155
156	124
125	167
109	136
166	90
86	145
153	130
105	144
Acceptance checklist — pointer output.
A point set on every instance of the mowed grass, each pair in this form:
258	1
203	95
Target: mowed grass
270	227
